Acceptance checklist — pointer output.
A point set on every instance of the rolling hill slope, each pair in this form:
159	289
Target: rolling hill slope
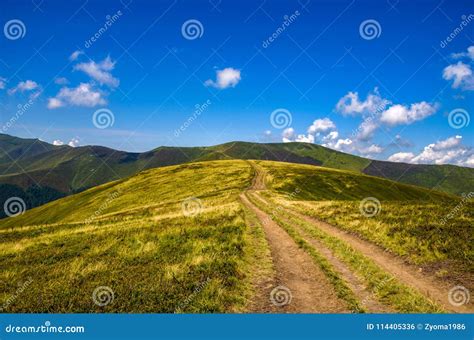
158	237
54	171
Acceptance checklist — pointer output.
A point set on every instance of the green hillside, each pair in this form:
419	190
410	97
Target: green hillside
159	236
55	171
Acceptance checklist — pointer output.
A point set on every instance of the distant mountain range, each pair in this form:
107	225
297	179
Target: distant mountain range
40	172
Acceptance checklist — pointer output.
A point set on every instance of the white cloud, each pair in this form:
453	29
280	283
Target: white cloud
28	85
330	136
58	142
377	111
75	55
3	83
340	145
371	150
402	157
321	125
305	139
82	95
461	75
61	81
350	104
448	151
367	129
54	103
288	135
100	72
401	114
73	142
228	77
468	54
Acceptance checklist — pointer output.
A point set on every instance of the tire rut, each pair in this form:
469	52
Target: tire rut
405	273
300	286
358	287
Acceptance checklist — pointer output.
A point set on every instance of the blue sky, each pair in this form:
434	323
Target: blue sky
399	78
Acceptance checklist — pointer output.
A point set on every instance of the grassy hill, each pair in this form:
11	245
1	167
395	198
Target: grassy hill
55	171
176	239
154	239
426	227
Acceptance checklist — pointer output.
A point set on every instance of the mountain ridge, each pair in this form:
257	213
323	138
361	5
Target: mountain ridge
63	170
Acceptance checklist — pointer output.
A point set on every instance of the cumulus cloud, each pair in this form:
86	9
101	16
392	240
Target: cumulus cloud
82	95
58	142
377	111
228	77
23	86
366	129
321	125
461	73
351	104
100	72
468	54
448	151
305	138
61	81
75	55
402	157
371	150
330	136
341	144
73	142
401	114
288	135
54	103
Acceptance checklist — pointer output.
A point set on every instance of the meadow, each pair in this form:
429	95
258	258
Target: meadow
179	239
160	242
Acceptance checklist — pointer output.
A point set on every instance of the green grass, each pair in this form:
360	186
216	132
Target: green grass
141	245
340	286
70	170
417	224
384	286
131	235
